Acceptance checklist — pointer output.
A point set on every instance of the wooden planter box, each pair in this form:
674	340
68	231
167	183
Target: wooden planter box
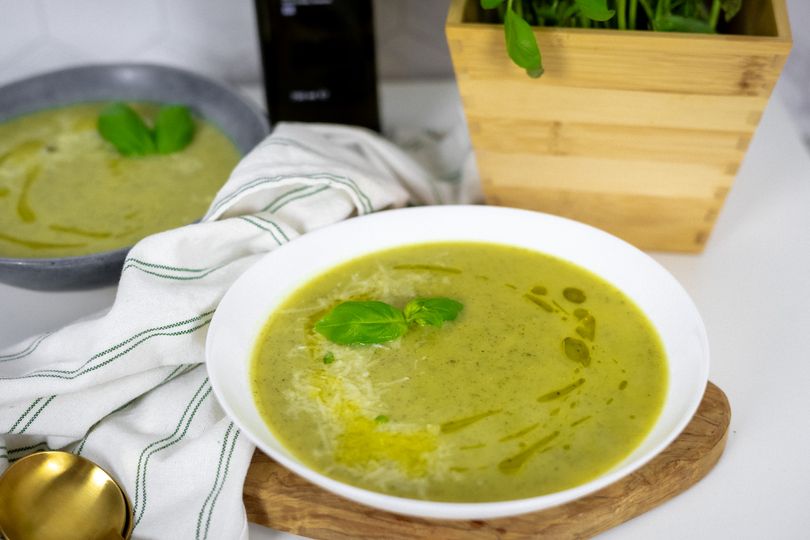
638	133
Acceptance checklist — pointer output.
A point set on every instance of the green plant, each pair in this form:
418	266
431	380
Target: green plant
518	17
367	323
120	125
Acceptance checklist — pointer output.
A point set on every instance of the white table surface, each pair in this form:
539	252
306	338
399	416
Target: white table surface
752	286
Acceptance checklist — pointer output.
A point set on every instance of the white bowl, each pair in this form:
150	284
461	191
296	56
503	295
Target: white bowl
247	305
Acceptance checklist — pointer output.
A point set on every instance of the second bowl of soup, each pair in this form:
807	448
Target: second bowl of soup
71	204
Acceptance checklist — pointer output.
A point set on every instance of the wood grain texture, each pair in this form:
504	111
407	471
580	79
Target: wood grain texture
277	498
598	140
679	223
484	99
618	116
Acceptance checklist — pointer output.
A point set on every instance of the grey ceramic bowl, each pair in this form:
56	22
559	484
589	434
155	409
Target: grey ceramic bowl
244	123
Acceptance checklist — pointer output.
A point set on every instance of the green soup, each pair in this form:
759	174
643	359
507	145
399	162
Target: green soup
548	377
64	191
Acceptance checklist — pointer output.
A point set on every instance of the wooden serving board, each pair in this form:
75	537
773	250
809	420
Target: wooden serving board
280	499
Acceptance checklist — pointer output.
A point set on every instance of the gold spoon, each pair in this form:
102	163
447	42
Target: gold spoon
59	495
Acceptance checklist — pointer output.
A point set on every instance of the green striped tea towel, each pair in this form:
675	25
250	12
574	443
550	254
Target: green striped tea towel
126	388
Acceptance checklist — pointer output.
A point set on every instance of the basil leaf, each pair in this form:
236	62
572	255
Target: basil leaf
126	130
730	8
490	4
362	323
676	23
174	128
521	45
596	10
432	311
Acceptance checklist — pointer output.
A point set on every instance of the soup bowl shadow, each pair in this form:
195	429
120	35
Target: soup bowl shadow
248	304
241	121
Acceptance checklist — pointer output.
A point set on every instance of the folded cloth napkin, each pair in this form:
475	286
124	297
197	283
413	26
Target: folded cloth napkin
127	388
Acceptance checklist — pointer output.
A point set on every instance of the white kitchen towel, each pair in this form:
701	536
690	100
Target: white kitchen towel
126	388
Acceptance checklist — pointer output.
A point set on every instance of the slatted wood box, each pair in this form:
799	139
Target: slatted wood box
639	133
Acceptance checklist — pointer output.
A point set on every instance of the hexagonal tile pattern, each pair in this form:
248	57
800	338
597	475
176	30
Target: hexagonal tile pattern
410	39
214	37
108	30
388	18
45	56
214	24
225	29
176	52
21	28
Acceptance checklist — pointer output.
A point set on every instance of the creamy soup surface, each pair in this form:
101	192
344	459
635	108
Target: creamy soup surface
64	191
548	377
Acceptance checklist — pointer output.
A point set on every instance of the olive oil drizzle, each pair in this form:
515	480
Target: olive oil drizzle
587	324
24	209
455	425
472	446
519	434
77	231
576	350
540	302
513	464
551	396
575	423
572	294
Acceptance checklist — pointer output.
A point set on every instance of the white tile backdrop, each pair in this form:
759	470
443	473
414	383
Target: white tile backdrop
219	38
214	37
796	77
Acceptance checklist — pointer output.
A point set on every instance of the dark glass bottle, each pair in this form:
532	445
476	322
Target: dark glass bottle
319	61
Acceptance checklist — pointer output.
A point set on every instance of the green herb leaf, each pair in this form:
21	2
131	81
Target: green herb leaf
521	45
174	128
596	10
381	419
120	125
362	323
432	311
676	23
329	357
491	4
730	8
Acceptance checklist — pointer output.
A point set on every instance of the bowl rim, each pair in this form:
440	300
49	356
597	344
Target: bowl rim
121	252
73	260
147	66
441	509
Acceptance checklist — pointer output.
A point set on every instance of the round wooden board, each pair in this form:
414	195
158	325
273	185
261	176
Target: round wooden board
279	499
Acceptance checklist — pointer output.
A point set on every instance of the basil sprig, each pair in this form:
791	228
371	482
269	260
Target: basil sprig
352	323
596	10
520	16
432	311
372	322
125	129
520	43
120	125
174	128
